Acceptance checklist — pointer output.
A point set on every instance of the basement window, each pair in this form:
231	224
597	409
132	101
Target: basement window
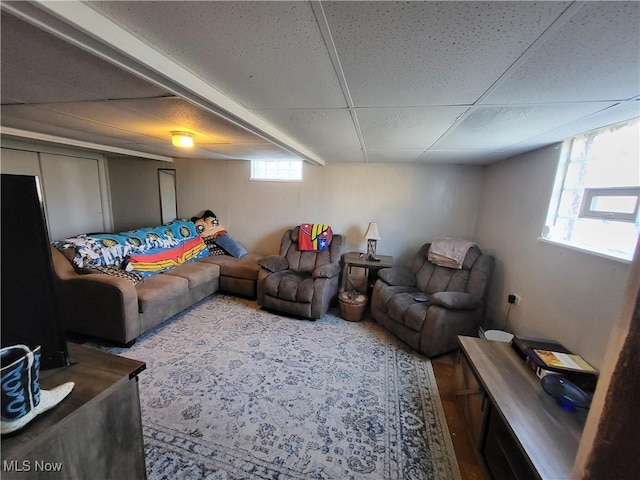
276	170
619	204
596	198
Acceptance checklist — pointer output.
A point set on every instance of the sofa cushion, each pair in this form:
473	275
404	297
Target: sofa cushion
388	292
329	270
405	310
397	276
274	263
289	285
196	273
456	300
160	289
246	267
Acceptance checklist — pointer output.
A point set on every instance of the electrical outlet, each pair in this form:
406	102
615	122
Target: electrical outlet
514	299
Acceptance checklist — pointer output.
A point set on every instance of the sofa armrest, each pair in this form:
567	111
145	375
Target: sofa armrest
328	270
274	263
101	305
456	300
397	276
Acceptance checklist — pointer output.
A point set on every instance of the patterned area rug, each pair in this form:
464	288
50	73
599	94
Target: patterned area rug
234	392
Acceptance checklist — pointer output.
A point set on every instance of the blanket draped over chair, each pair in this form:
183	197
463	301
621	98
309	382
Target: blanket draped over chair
314	237
449	252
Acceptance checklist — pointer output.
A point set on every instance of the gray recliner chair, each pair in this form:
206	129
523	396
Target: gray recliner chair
455	302
300	283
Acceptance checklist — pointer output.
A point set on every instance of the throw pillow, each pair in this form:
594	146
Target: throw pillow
229	245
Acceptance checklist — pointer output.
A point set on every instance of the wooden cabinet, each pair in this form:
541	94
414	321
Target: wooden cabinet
520	431
471	400
96	432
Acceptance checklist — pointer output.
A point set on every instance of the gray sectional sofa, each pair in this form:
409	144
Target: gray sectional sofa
113	308
112	303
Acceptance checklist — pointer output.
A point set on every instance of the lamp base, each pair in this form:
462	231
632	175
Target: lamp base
371	251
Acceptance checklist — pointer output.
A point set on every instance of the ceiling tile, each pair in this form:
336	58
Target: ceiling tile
431	53
393	156
615	114
155	118
343	155
27	117
38	67
454	156
593	56
316	128
491	128
253	51
23	86
405	128
249	152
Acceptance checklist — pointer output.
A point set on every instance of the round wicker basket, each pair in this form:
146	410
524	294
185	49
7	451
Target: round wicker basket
352	305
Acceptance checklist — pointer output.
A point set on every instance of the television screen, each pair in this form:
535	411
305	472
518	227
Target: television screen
28	306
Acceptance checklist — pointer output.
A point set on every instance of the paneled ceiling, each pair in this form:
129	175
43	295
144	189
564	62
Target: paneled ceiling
358	81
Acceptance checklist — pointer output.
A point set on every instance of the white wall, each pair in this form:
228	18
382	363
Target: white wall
569	296
411	203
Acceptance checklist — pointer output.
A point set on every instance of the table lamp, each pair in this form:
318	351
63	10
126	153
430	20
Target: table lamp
372	235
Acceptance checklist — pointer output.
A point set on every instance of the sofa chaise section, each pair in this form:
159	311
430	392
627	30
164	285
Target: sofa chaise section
238	276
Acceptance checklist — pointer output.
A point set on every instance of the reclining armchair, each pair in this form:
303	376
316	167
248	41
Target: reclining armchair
300	283
427	306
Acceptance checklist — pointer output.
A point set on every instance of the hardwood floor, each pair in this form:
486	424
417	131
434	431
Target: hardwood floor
468	461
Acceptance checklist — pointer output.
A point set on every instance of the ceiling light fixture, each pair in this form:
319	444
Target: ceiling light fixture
182	139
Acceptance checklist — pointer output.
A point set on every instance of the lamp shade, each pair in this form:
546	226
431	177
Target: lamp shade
372	232
182	139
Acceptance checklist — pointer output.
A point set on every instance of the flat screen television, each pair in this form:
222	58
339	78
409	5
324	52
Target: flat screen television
28	306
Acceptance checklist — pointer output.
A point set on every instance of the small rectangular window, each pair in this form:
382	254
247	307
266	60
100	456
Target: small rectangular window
619	204
277	170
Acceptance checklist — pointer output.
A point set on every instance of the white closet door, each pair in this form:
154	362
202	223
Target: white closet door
19	162
72	193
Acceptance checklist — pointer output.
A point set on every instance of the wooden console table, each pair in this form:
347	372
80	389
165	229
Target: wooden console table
520	431
95	432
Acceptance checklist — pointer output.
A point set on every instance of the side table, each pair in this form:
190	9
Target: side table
356	259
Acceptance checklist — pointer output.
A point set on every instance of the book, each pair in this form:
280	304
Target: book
522	346
560	361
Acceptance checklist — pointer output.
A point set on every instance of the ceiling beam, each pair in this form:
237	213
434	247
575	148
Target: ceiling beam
44	137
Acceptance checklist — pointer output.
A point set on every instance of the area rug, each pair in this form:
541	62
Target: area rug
235	392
